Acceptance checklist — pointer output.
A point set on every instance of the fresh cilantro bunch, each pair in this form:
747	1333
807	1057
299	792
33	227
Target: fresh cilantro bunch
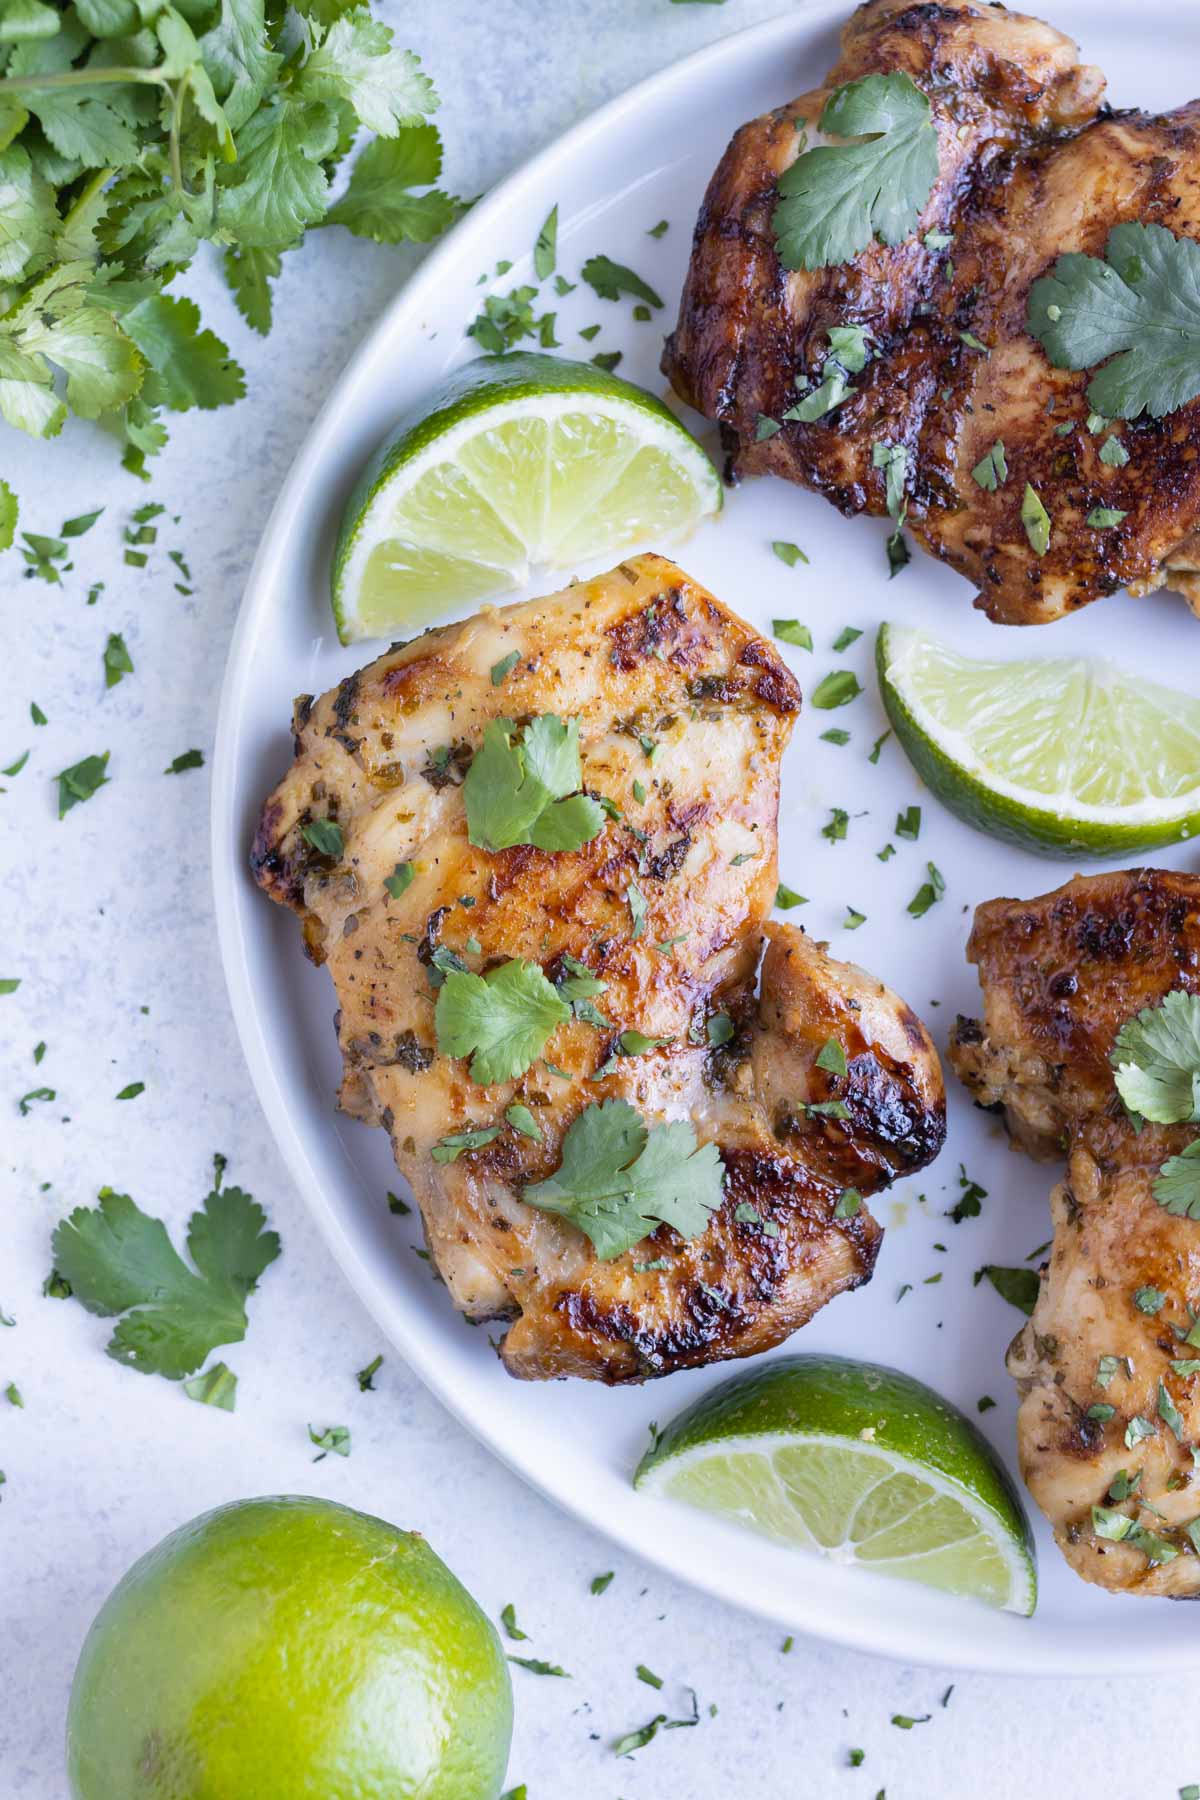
133	130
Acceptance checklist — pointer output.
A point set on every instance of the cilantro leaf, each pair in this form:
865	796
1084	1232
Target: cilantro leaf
1036	521
188	367
119	1261
379	202
1139	306
1018	1286
1168	1412
334	1437
237	58
611	280
281	183
832	1057
450	1148
88	131
833	200
527	792
826	397
848	343
788	553
893	459
619	1179
102	366
325	837
991	471
194	759
249	274
9	512
1177	1185
929	892
400	879
501	1020
354	62
791	631
837	688
545	250
216	1387
117	660
523	1122
28	218
1156	1057
81	781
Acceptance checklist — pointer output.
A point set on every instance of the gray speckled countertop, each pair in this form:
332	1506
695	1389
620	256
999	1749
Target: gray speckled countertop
108	922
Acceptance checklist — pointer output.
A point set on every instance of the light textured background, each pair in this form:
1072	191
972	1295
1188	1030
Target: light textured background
110	911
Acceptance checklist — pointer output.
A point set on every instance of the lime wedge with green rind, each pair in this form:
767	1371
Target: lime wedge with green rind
520	464
1064	756
857	1463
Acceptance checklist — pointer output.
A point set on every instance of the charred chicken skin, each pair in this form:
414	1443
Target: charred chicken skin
1029	167
684	713
1060	976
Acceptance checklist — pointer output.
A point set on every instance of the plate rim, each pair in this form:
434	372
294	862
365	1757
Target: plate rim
858	1630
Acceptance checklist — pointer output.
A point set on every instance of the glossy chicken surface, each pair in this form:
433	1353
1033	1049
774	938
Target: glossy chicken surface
676	694
1060	975
1028	169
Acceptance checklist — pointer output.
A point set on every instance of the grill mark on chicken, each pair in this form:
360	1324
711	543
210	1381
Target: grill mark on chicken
613	652
1060	976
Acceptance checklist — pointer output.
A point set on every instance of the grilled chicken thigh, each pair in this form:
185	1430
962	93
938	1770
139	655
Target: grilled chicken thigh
1060	975
684	713
1029	168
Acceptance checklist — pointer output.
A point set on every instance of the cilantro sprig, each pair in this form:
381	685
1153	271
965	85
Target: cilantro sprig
619	1178
1138	305
120	1263
836	198
1156	1059
1156	1064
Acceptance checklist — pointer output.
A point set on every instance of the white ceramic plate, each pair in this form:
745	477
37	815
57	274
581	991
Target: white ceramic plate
646	157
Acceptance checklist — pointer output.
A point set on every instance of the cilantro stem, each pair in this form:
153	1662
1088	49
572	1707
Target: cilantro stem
173	137
83	78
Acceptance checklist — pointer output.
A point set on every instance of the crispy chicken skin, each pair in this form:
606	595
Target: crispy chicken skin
1060	975
642	653
1029	169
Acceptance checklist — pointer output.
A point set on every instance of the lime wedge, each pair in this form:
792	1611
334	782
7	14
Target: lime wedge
519	464
1067	757
857	1463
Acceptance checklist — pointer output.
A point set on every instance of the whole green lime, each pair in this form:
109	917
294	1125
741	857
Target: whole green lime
289	1649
